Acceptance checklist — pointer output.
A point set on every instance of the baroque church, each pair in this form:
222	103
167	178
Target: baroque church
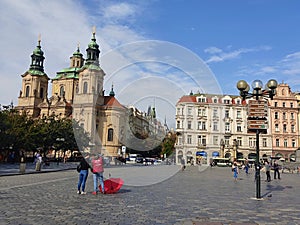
77	93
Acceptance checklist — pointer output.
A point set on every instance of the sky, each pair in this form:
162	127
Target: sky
153	51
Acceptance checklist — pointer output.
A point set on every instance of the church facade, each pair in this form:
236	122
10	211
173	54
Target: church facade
77	93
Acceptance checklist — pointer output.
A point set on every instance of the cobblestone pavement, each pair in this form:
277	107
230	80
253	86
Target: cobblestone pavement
189	197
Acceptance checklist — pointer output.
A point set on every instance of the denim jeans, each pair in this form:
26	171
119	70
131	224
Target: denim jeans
82	179
98	177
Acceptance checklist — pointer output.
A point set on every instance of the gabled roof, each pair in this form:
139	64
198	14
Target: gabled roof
111	101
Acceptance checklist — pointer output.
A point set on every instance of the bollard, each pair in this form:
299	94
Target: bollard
22	166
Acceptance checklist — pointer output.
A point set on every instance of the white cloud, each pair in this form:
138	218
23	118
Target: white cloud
219	55
119	11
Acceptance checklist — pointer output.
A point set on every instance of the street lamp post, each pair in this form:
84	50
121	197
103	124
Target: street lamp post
256	114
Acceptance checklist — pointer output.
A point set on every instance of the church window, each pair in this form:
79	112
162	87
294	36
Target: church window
27	91
85	87
42	93
110	134
62	91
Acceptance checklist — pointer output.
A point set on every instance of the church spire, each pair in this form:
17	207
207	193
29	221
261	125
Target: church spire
112	93
93	50
37	58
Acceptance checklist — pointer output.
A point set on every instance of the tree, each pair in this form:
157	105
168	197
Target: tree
168	144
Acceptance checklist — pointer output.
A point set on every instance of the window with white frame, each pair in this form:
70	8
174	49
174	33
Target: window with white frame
277	142
276	115
276	128
215	100
215	126
189	139
178	111
292	105
292	116
252	142
239	141
264	142
293	143
227	127
189	111
178	124
285	143
227	113
226	101
226	141
284	116
238	101
238	114
215	140
215	112
189	124
284	128
239	127
293	128
179	140
202	140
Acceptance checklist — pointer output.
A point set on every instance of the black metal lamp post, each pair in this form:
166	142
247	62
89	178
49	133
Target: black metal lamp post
258	93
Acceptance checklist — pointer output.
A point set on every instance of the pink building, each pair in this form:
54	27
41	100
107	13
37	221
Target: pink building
284	123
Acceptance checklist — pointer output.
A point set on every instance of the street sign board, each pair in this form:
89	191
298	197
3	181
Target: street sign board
257	124
257	108
257	115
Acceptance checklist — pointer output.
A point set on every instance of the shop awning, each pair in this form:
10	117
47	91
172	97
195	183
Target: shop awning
215	154
202	153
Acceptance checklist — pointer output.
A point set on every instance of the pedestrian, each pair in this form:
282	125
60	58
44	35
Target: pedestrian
276	170
183	164
268	170
38	162
246	167
97	169
235	171
83	175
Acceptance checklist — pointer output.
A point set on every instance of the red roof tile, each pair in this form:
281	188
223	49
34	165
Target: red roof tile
187	98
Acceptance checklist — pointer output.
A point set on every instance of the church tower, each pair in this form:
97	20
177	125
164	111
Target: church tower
34	84
90	91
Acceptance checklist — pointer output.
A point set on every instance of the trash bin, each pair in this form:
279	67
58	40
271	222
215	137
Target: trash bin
22	166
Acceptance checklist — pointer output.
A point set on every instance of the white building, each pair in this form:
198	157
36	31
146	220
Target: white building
215	125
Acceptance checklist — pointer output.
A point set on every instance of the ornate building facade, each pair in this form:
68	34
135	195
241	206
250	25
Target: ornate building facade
77	92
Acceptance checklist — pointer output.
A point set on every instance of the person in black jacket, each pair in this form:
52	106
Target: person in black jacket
276	170
83	175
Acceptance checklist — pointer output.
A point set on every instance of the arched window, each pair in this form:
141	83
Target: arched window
42	92
27	91
110	134
62	91
85	87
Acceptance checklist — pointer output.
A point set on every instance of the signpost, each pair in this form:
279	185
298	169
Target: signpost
258	123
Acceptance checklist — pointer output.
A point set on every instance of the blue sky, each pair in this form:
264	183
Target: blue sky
234	39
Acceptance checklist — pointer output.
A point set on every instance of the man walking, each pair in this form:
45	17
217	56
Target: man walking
268	170
276	170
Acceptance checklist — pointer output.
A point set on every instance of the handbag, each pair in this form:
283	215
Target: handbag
78	168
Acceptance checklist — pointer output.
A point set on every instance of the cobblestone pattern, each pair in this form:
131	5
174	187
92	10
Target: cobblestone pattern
188	198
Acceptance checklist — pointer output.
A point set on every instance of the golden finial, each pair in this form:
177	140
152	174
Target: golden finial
94	30
78	45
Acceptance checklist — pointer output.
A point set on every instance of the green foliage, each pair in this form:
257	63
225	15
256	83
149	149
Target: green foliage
20	132
168	144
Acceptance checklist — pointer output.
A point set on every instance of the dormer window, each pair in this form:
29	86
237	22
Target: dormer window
202	99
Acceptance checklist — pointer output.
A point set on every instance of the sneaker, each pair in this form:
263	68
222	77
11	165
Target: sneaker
94	193
83	193
78	192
